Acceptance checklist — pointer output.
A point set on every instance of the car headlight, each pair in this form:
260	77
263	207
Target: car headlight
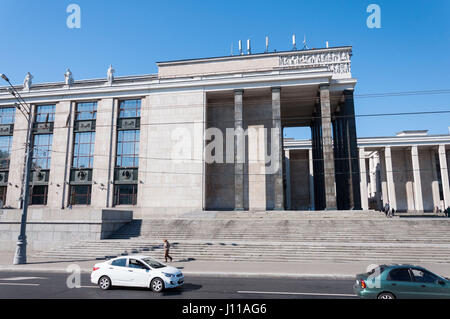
168	275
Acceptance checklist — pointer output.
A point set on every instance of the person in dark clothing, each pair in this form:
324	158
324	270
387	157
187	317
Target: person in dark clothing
166	250
386	209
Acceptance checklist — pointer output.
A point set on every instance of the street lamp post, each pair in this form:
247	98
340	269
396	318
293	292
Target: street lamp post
20	256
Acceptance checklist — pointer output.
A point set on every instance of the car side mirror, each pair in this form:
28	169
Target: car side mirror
441	282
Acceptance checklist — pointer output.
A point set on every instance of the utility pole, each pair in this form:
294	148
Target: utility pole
20	256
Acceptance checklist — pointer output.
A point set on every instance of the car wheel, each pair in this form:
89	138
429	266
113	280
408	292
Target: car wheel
386	295
104	283
157	285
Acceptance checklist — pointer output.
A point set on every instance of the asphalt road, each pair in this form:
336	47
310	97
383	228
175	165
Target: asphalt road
41	285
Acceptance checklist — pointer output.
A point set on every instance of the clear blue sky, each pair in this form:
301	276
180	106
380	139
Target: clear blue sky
410	52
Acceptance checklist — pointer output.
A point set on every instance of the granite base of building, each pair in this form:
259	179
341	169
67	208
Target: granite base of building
50	228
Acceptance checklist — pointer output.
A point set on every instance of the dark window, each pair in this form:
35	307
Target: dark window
128	148
125	194
86	111
122	262
83	150
80	194
7	115
45	113
399	274
133	263
38	195
42	151
424	276
3	195
5	151
130	108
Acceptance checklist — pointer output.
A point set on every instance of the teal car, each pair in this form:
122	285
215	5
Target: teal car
401	282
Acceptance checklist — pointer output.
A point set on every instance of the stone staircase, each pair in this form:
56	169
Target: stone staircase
292	238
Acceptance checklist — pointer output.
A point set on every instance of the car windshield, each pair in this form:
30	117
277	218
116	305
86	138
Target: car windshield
153	263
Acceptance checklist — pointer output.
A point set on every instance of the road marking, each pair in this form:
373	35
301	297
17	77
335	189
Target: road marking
21	278
88	286
16	284
295	293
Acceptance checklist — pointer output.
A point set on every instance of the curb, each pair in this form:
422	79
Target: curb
202	273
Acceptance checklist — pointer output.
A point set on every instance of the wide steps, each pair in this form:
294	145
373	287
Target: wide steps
274	240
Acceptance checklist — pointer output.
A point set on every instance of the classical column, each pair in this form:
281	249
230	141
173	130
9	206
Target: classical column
311	180
328	155
418	199
354	180
363	183
444	175
390	177
278	146
238	146
288	178
435	180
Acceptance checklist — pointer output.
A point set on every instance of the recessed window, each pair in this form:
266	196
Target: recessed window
45	114
5	151
38	195
86	111
80	194
83	150
42	151
128	148
3	195
130	108
125	194
7	115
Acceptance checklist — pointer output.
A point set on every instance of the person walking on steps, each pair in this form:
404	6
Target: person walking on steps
166	250
386	209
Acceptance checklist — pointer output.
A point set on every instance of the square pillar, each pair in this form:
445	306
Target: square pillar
328	153
444	175
61	155
103	166
390	178
354	178
311	179
435	180
238	147
363	183
287	166
418	199
277	146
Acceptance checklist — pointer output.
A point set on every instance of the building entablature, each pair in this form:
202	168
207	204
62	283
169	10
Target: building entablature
380	142
292	68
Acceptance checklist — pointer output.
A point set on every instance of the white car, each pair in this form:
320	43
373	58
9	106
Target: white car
136	271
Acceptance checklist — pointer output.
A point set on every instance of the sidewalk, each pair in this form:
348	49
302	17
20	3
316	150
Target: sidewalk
325	269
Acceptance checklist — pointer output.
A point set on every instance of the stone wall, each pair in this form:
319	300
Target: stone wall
49	228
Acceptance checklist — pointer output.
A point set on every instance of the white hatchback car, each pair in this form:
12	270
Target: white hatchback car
136	271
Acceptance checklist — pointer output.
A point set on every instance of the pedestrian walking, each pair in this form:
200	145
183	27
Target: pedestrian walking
386	209
166	250
391	212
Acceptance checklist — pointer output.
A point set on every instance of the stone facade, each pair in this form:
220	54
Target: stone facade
167	171
410	171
